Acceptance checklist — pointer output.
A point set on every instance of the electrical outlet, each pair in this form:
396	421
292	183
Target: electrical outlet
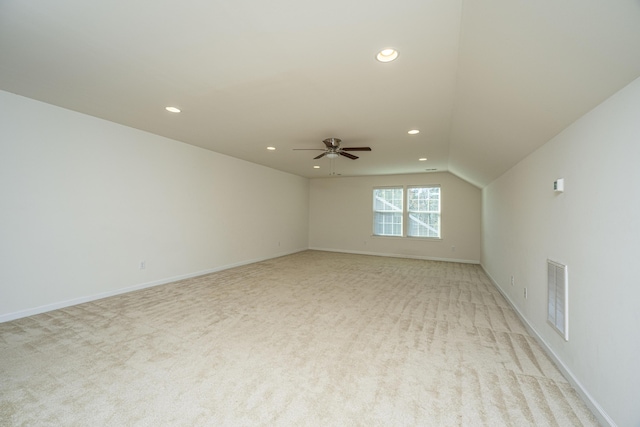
512	281
525	293
143	265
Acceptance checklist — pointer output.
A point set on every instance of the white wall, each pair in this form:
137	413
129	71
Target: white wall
83	201
594	228
341	217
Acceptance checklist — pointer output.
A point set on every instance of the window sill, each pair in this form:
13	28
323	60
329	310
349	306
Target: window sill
427	239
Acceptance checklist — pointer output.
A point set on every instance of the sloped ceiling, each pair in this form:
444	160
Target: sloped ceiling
485	82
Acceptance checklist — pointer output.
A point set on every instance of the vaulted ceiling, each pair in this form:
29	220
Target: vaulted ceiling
486	82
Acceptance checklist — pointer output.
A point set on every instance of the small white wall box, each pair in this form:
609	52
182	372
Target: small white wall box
558	185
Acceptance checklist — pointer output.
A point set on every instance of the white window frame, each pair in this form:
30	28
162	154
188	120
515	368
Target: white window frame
394	210
406	213
437	212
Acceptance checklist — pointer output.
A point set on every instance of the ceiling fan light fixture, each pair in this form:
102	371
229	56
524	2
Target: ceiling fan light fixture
332	155
387	55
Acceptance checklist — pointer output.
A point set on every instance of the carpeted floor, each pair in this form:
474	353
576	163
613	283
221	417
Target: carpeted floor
313	338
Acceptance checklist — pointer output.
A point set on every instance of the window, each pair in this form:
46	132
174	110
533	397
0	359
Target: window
423	206
387	211
421	213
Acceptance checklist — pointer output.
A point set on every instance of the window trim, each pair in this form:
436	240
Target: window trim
402	211
439	212
405	212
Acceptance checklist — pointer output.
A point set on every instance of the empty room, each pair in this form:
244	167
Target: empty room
337	213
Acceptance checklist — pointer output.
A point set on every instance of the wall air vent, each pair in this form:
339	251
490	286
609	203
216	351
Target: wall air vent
558	301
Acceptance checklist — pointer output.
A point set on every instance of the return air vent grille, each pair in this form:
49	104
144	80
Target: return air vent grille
558	286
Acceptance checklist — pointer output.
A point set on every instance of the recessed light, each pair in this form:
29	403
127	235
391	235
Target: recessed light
413	132
316	167
172	109
423	159
271	148
387	55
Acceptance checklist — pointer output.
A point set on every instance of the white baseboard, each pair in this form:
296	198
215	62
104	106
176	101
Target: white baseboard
88	298
596	409
464	261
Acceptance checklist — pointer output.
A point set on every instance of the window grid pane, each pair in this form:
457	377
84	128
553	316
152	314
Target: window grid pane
388	224
424	225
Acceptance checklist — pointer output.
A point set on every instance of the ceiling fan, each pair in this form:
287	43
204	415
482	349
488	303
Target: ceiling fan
334	150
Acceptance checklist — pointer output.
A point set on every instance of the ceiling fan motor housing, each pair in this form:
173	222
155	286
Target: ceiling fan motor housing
332	142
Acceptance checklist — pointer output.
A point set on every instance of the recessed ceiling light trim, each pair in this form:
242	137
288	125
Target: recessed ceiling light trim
271	148
413	132
172	109
422	159
387	55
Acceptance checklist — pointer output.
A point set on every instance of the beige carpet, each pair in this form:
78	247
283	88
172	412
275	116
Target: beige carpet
313	338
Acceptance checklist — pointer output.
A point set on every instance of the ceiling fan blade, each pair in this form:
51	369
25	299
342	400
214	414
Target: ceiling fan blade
351	156
356	148
320	156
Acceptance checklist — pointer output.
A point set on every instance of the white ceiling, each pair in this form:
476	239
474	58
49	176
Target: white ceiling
486	82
